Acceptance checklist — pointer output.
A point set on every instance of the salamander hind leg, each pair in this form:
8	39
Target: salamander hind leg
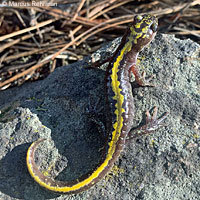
93	112
152	124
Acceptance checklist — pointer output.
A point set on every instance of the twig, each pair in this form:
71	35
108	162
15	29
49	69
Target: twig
3	47
2	38
187	32
78	9
17	76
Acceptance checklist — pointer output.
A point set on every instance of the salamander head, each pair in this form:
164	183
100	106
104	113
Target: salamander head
142	30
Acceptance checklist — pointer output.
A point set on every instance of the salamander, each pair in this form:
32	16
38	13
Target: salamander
120	108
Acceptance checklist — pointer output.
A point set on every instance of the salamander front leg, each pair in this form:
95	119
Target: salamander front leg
152	124
141	79
98	63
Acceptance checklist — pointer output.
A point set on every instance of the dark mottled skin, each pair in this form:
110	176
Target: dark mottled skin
140	33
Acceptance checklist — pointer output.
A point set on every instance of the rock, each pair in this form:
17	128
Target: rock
162	165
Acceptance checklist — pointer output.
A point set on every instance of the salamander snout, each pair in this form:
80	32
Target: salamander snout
142	30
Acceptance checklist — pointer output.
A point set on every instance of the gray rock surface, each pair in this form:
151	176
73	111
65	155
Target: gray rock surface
163	165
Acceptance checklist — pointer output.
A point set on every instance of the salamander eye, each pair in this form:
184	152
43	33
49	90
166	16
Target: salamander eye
138	18
154	27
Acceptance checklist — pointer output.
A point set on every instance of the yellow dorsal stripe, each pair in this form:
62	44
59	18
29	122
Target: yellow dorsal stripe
140	28
115	134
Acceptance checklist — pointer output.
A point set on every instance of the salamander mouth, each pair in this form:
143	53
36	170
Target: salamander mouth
154	27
